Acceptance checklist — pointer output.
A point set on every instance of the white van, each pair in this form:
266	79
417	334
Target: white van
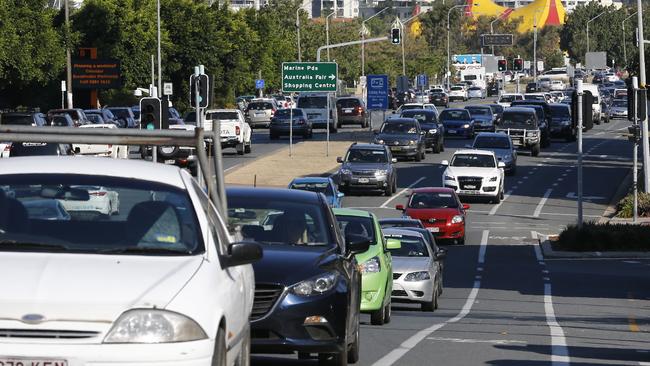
595	107
315	106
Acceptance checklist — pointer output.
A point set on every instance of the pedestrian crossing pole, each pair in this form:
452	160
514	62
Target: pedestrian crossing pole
579	90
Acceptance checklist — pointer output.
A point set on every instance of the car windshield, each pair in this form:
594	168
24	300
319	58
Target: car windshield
60	121
507	98
323	187
399	127
534	97
497	108
99	214
366	156
190	117
95	118
518	120
454	115
411	106
356	225
222	116
432	200
473	160
560	111
260	106
288	112
482	111
420	116
492	142
620	103
456	88
348	103
121	112
312	102
412	246
276	221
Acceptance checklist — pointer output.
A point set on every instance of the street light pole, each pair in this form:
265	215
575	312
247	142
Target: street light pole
624	42
327	32
68	57
448	76
160	91
535	47
363	37
298	31
642	85
589	21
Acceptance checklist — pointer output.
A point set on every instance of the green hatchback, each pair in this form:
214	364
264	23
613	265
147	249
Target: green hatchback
375	264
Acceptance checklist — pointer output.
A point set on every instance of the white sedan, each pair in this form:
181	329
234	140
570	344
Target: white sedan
100	200
113	151
475	173
160	284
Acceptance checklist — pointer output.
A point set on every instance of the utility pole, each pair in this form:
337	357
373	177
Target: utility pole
642	85
624	43
159	61
635	153
68	57
448	47
327	32
579	109
298	31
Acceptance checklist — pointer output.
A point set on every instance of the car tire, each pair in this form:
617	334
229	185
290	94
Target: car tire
497	199
461	241
440	284
388	191
430	305
442	145
418	156
424	154
248	148
437	149
165	152
388	312
240	149
395	185
377	317
220	353
353	350
534	151
502	194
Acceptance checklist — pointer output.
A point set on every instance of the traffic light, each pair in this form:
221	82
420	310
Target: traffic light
634	133
518	64
150	116
634	107
503	65
396	36
587	109
203	90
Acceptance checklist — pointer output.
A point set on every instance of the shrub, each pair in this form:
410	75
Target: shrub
604	237
625	207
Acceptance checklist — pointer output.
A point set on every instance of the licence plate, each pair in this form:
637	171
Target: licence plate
260	113
31	362
434	229
364	180
452	131
348	110
225	132
469	186
313	115
166	162
395	148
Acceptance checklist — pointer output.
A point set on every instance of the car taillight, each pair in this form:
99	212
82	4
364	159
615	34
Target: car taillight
237	130
272	112
97	193
359	110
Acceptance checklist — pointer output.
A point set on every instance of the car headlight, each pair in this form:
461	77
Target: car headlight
154	326
345	171
457	219
433	130
372	265
449	177
494	179
381	173
316	285
466	125
507	157
380	142
412	142
417	276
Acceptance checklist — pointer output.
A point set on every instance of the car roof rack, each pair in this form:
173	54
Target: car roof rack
211	174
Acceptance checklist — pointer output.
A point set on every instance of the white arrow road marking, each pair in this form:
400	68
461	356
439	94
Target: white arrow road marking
574	196
467	340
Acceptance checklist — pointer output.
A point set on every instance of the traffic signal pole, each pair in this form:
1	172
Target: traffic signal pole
642	85
197	111
579	110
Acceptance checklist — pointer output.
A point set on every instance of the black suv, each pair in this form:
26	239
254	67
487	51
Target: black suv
434	137
544	117
403	136
367	167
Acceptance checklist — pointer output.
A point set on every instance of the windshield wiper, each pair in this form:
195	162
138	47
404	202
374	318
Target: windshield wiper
17	244
138	250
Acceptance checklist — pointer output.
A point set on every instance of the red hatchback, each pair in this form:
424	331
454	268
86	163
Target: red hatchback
439	210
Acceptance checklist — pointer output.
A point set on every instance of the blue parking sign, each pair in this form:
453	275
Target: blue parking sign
377	91
259	84
423	80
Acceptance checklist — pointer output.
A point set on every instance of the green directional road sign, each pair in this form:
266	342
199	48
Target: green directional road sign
309	76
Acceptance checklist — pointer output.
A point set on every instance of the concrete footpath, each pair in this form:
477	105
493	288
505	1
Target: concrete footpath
278	169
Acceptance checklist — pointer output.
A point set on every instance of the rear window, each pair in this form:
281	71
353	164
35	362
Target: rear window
260	106
452	115
312	102
20	120
288	112
348	103
222	115
560	111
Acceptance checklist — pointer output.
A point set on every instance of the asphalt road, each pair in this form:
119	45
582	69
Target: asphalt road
503	303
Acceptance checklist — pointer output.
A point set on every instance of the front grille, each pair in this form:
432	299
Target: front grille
47	333
396	275
514	132
470	183
436	221
399	293
265	298
364	173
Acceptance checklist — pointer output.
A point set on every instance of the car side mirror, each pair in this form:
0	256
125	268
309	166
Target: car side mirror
393	160
466	206
243	253
393	244
441	254
501	165
340	195
422	132
339	160
399	207
357	243
445	162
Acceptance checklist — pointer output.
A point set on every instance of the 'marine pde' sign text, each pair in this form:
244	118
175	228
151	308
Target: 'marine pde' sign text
309	76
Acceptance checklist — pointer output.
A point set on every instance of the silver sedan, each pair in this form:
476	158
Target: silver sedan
417	269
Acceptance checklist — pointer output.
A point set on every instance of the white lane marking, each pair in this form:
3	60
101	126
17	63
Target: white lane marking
394	356
573	196
231	168
513	188
560	179
402	192
481	252
603	156
496	207
555	184
524	177
520	182
468	340
559	351
540	205
538	250
564	174
568	170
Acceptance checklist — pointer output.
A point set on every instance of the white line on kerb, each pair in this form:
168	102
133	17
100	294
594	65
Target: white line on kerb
394	356
401	192
560	353
496	207
540	205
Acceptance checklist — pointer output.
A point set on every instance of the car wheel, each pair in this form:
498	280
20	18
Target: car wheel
395	185
244	358
167	151
377	317
429	305
461	241
440	284
353	350
387	312
437	148
418	156
240	149
497	199
424	156
219	355
388	191
535	150
248	148
502	195
442	144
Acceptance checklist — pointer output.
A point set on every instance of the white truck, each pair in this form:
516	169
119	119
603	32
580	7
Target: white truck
235	132
475	75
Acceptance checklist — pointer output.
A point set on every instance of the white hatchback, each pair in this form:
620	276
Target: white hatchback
159	283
